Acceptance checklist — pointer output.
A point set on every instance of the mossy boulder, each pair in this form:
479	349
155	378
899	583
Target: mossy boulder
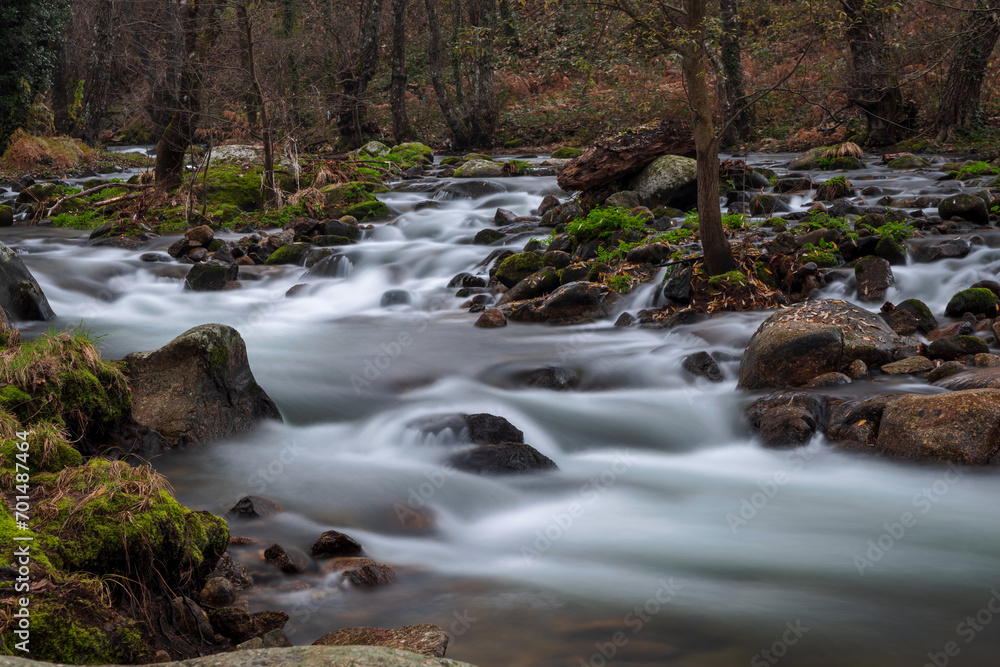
909	161
372	209
567	153
909	317
517	267
767	205
234	185
835	188
797	344
951	348
975	300
478	168
20	294
210	276
197	387
292	253
6	216
353	198
965	207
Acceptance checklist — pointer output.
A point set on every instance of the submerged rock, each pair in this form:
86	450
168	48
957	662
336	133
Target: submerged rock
788	419
797	344
197	387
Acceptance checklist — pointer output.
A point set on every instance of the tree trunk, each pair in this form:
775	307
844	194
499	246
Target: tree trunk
250	98
397	94
960	103
459	133
736	114
715	246
355	77
509	27
272	195
97	91
483	112
200	29
872	83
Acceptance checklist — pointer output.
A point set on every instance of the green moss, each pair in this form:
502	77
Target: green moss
287	254
517	267
566	152
731	279
451	159
14	400
975	300
369	210
920	307
228	184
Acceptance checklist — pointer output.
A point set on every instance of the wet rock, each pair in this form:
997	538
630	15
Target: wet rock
232	571
788	419
797	344
549	202
487	429
624	320
218	592
668	180
394	297
331	544
955	347
864	246
537	284
234	624
831	379
20	294
504	217
203	235
624	199
268	621
654	253
487	236
254	507
966	207
891	251
154	257
517	267
854	423
345	227
701	364
491	319
874	277
573	303
197	387
424	639
768	205
910	365
986	360
360	571
289	563
959	426
964	328
938	250
794	184
857	370
552	377
961	377
949	368
468	189
210	276
908	161
502	458
975	300
909	317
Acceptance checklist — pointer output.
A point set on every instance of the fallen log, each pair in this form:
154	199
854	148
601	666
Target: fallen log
627	153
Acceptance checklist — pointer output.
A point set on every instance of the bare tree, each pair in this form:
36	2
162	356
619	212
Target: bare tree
397	94
354	76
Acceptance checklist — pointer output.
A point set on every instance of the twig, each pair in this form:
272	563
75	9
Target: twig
97	188
115	200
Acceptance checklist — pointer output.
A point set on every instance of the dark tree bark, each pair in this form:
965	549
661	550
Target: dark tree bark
715	246
509	27
456	124
272	195
963	89
732	86
872	81
97	90
401	130
483	111
200	29
355	77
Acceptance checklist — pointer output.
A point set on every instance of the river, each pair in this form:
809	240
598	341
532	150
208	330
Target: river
667	537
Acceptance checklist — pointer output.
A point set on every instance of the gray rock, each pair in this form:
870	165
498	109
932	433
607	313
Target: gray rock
667	179
20	294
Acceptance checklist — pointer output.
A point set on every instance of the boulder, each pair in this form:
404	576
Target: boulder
578	302
975	300
425	639
788	419
254	507
331	544
538	283
909	365
232	623
469	189
667	181
874	277
762	205
908	161
20	294
959	426
703	365
479	169
491	318
217	592
517	267
288	562
627	153
909	317
962	378
502	458
950	348
796	344
210	276
553	377
360	571
197	387
6	216
966	207
937	250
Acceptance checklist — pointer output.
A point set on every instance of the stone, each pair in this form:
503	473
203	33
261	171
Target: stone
502	458
218	592
874	277
958	426
549	202
537	284
966	207
517	267
20	294
762	205
425	639
916	364
210	276
909	317
360	571
289	563
553	377
479	169
831	379
670	180
235	573
857	370
332	543
203	235
788	419
795	345
198	387
677	287
232	623
975	300
962	377
491	319
949	368
908	161
938	250
575	303
267	621
468	189
254	507
190	618
950	348
654	253
487	236
487	429
702	364
395	297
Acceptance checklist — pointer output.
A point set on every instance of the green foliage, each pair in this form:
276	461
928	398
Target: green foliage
825	163
730	279
735	221
620	283
897	231
603	223
822	220
838	181
824	254
84	220
28	52
977	169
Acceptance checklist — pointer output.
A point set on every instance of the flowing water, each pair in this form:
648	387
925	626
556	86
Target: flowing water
667	537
